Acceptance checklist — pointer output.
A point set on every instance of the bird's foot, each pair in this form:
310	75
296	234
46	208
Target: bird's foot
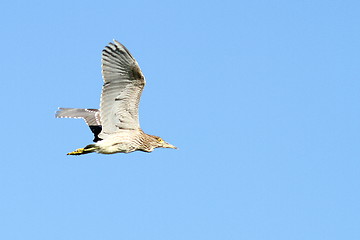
78	151
88	149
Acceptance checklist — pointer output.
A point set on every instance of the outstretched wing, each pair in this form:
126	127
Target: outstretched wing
91	117
123	85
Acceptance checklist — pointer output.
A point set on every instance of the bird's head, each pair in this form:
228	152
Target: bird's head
162	144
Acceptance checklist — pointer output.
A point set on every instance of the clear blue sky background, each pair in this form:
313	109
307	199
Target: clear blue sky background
261	97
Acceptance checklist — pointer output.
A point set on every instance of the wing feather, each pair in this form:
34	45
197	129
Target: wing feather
91	116
123	85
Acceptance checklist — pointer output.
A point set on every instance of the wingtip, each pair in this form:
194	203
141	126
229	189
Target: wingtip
113	45
118	44
57	112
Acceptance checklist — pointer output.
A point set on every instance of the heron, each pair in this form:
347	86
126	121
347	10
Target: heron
115	125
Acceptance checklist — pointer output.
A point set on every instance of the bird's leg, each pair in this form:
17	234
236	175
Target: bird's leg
88	149
78	151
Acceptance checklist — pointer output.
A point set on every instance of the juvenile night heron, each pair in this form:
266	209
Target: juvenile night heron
116	124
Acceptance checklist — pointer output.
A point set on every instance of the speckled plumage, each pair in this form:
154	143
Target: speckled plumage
116	124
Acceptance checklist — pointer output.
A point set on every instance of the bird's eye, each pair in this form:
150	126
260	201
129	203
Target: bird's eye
160	140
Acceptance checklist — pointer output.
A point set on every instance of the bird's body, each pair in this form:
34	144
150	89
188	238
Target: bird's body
126	141
116	124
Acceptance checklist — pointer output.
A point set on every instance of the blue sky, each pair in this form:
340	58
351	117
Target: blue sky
261	97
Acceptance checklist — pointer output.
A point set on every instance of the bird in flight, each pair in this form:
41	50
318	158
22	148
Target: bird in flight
116	125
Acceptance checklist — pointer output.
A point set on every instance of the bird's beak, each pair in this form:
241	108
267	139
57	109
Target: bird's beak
168	145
